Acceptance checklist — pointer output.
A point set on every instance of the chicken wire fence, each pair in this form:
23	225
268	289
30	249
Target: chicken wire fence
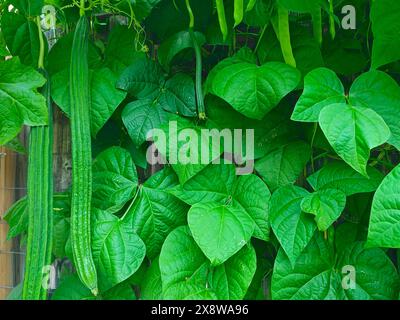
11	253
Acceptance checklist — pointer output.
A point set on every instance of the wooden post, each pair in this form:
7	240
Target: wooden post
8	162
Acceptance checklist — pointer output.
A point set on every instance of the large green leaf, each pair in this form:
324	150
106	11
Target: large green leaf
338	175
326	205
114	179
384	225
311	278
270	133
376	277
20	103
354	273
353	132
254	90
105	98
293	228
17	218
145	81
244	55
175	44
21	36
151	284
187	274
283	165
121	51
142	79
385	18
140	117
117	250
71	288
322	87
186	148
219	183
219	230
59	57
178	96
380	92
155	212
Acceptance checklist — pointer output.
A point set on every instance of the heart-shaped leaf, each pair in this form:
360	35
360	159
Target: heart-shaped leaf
293	228
156	213
254	90
117	251
114	179
326	205
187	274
219	230
353	132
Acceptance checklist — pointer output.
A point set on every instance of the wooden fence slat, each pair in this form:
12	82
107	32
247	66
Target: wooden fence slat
7	197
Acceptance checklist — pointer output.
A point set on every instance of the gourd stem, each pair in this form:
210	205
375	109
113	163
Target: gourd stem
41	44
317	25
190	12
284	36
82	8
332	29
199	66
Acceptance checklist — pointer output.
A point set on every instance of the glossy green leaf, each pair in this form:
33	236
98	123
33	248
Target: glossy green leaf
385	18
155	212
219	183
311	278
59	57
293	228
142	79
384	225
186	272
244	55
338	175
284	165
327	206
17	218
121	49
71	288
185	147
140	117
376	278
178	96
270	133
114	179
21	37
117	250
105	98
380	92
219	230
151	285
322	88
353	132
20	103
254	90
175	44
